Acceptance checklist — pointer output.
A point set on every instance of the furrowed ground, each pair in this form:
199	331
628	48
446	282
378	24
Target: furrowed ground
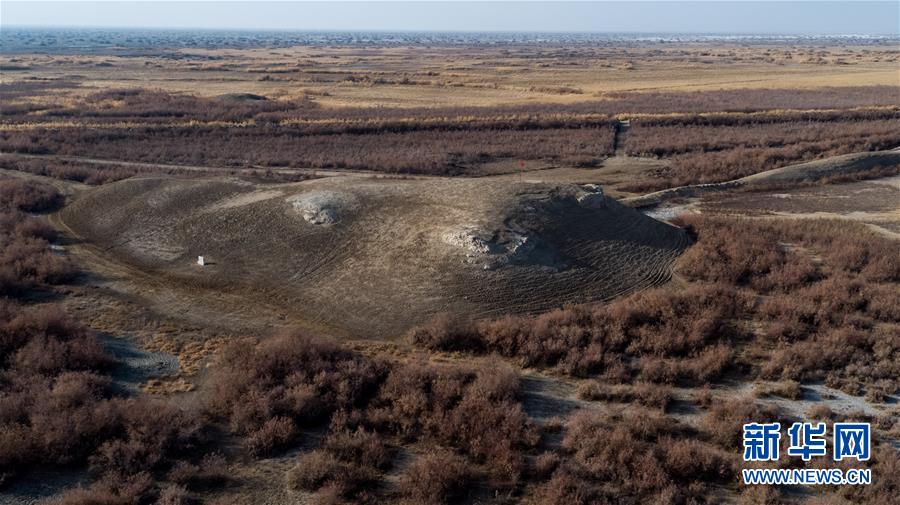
422	285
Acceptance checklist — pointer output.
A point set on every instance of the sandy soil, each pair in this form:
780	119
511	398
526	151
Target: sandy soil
449	76
876	203
337	253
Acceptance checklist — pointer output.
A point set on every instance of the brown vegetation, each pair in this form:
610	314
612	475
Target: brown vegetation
830	300
159	106
58	406
777	301
712	136
636	458
297	381
659	335
26	261
705	153
436	478
424	152
93	174
28	196
286	383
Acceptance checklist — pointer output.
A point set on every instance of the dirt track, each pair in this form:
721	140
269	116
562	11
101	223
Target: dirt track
793	174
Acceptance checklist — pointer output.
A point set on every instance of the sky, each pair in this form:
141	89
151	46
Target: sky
738	17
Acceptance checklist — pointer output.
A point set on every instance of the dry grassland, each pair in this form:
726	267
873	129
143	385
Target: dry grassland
454	76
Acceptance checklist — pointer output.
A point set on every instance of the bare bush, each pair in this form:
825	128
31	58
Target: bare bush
725	419
28	196
312	470
297	378
436	478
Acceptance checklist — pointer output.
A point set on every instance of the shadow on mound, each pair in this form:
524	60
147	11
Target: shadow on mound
370	258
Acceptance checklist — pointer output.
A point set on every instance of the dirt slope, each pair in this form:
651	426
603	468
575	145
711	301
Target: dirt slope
810	171
369	257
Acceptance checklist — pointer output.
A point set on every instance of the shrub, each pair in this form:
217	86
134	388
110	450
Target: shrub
640	454
293	376
211	472
545	465
152	435
436	478
312	471
567	488
275	433
27	263
473	412
653	395
443	333
173	495
110	491
725	419
28	196
673	332
690	459
784	389
360	447
336	481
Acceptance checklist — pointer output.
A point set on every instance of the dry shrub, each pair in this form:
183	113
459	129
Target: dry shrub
294	378
444	333
289	381
275	433
173	495
641	455
455	140
48	325
149	437
713	153
761	495
52	397
597	391
28	196
820	412
110	491
691	459
674	333
785	389
741	253
436	478
361	447
335	480
841	356
58	409
545	464
829	325
653	395
312	470
81	171
475	412
646	394
210	472
432	152
567	488
725	419
26	261
885	465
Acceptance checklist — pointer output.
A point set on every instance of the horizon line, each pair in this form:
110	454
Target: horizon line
448	31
